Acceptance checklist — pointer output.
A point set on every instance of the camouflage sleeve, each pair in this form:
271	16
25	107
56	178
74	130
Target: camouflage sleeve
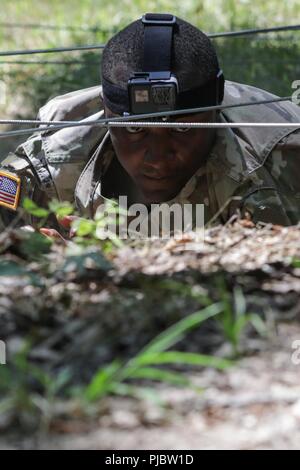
272	193
17	181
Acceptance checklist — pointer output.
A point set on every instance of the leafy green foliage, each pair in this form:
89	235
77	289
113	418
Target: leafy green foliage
61	209
55	207
97	231
32	208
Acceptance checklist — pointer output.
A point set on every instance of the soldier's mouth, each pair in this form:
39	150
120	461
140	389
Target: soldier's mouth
156	177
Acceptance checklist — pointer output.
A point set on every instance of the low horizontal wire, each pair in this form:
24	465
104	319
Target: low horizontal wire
227	34
218	125
247	32
170	125
138	117
49	51
53	62
135	120
106	30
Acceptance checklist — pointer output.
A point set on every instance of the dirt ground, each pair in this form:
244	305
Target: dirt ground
254	405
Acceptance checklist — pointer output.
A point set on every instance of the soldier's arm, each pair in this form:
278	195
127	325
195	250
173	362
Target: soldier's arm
17	181
273	192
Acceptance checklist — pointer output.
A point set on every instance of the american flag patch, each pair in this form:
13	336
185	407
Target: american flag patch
10	186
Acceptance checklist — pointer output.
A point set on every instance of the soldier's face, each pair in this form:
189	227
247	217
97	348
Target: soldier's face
160	160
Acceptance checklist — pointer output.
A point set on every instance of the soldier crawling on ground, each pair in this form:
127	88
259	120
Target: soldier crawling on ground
255	170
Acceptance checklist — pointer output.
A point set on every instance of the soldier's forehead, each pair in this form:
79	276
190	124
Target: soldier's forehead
189	117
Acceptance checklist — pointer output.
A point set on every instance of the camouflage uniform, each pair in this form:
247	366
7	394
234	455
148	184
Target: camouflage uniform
253	169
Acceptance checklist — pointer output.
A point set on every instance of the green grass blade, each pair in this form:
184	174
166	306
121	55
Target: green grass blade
172	334
102	381
184	358
161	375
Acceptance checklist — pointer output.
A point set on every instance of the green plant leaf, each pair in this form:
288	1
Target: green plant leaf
60	209
101	381
184	358
32	208
84	227
174	333
160	375
258	323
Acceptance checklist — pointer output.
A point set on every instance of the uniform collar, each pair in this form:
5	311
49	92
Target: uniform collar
91	176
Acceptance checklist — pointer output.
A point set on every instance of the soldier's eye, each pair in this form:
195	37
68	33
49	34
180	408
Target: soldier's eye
181	129
134	130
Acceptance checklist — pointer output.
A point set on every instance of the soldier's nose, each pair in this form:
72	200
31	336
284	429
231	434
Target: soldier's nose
156	160
158	152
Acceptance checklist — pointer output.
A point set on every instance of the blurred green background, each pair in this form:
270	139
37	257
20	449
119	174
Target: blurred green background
269	61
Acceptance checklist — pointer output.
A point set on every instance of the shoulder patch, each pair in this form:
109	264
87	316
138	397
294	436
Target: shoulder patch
10	186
